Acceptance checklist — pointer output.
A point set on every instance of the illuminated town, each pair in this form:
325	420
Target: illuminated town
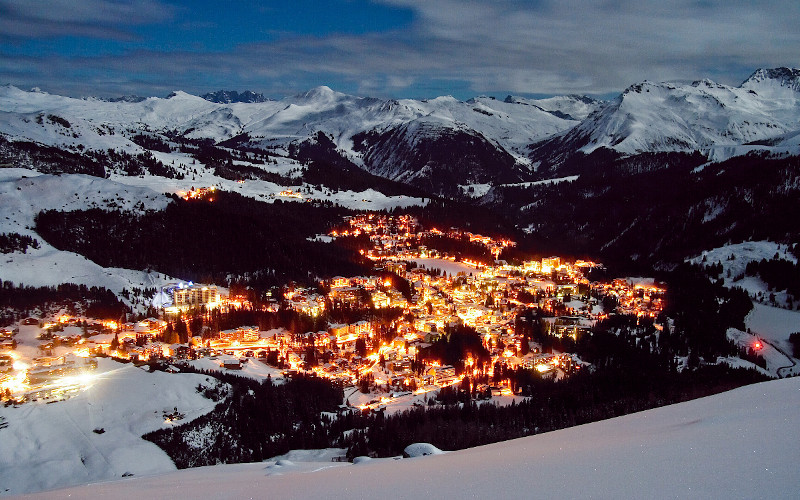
416	297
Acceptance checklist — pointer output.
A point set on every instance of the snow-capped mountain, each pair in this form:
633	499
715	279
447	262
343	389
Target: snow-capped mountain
230	96
718	120
571	107
495	133
778	78
341	116
433	144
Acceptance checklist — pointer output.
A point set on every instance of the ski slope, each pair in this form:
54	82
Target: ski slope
739	444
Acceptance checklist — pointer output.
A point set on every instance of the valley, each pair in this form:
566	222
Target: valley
327	271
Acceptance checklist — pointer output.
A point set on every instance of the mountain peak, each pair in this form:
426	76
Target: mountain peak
125	98
178	93
783	77
321	92
705	82
232	96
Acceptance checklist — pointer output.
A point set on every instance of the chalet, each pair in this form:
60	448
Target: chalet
6	363
349	294
232	364
442	374
47	373
48	361
150	326
431	337
400	366
340	282
180	351
8	332
380	299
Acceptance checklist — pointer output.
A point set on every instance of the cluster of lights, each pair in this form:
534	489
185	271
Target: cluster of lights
197	194
288	193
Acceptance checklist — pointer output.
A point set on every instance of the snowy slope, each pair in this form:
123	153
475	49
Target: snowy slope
734	259
293	118
773	326
55	445
573	107
704	116
24	193
740	444
497	131
769	325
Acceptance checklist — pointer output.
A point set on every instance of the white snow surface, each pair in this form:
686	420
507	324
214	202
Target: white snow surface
251	368
577	107
773	323
54	445
738	444
743	254
24	193
340	116
773	326
722	121
445	265
421	450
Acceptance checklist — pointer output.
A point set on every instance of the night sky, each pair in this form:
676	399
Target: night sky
388	48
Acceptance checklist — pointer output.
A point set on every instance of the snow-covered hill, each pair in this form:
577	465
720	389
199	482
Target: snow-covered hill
499	128
96	435
734	258
739	444
299	117
403	139
24	193
721	121
572	107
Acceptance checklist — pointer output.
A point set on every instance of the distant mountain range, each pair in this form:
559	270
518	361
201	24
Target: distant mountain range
763	113
439	143
231	96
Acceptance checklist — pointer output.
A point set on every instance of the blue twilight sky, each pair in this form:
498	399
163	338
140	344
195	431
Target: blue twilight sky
388	48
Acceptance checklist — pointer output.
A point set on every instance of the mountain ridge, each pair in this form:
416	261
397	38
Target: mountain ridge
541	136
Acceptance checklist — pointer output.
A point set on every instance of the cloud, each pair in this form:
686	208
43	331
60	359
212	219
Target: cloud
545	47
604	45
30	19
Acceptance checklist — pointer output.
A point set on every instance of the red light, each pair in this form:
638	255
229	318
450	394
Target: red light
757	346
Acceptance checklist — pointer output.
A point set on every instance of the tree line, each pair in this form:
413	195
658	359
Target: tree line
20	301
230	240
15	242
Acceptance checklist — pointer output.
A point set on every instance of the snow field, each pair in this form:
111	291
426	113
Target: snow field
96	435
739	444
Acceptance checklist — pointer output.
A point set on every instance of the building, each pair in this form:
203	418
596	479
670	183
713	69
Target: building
241	334
551	263
442	374
185	297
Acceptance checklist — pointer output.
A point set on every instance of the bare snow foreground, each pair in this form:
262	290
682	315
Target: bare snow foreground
740	444
96	435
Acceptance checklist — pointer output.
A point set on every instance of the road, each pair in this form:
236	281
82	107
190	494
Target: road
788	357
